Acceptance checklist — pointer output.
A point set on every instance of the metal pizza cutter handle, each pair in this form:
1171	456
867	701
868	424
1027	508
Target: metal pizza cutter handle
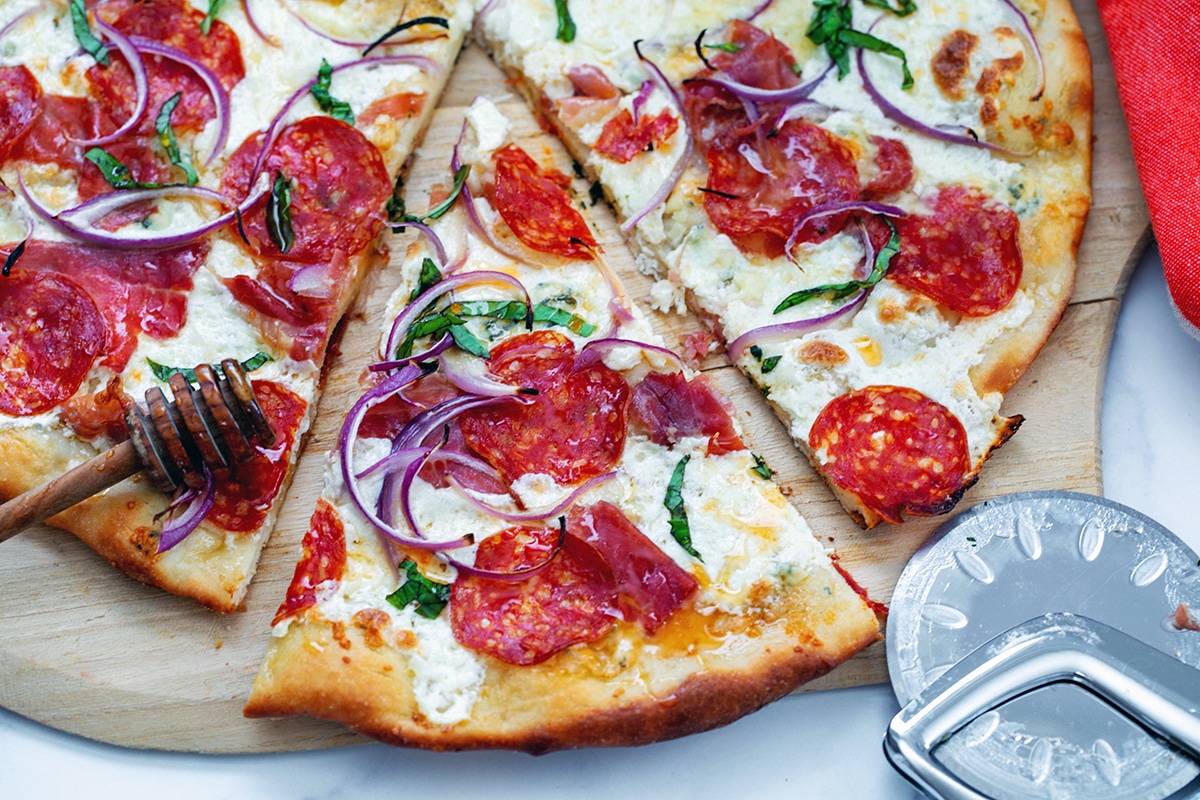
1159	692
212	425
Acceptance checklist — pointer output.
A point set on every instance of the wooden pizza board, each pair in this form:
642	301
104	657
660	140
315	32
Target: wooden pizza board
88	651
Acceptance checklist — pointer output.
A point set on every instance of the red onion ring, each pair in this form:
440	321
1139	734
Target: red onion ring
517	574
140	81
594	351
421	426
900	118
430	234
414	309
745	91
829	209
199	503
271	40
213	83
427	65
536	514
477	25
664	191
471	375
642	96
73	222
313	280
445	343
787	330
17	19
797	110
761	8
1027	29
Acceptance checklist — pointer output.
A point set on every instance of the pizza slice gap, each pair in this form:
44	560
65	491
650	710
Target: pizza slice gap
876	209
119	319
540	528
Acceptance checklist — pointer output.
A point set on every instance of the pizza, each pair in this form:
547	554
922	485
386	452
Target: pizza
185	183
541	529
875	207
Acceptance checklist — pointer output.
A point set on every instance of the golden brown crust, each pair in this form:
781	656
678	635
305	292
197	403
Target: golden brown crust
583	696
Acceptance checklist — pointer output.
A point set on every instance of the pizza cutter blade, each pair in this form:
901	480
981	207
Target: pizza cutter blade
1006	730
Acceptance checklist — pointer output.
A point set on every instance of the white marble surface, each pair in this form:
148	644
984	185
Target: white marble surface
820	745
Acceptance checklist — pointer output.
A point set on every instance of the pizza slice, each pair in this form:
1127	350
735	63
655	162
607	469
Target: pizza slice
876	206
541	529
185	184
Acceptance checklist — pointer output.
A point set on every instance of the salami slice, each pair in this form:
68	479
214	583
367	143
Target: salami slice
965	255
50	335
668	407
535	205
651	586
243	498
338	182
572	430
572	600
323	559
622	138
758	58
20	106
895	449
894	168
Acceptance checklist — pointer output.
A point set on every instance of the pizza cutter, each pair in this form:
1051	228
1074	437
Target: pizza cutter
212	426
1041	646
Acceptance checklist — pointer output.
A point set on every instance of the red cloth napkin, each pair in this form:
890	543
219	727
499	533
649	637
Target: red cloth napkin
1155	48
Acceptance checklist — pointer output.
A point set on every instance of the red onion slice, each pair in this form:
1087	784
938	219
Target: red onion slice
436	418
517	574
141	84
271	40
471	375
216	89
745	91
664	191
1027	29
443	344
76	222
640	101
789	330
829	209
761	8
434	240
536	514
198	503
477	25
313	280
595	351
17	19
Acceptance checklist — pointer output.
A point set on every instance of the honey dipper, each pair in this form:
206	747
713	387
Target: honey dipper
214	424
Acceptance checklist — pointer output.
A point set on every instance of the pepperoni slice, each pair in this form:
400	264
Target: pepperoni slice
895	168
244	497
535	205
966	255
20	106
669	407
572	430
760	187
323	560
651	586
338	187
50	335
51	138
622	138
895	449
572	600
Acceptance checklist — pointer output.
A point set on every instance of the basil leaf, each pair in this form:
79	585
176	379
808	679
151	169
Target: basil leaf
279	214
556	316
430	276
214	8
439	21
566	25
396	213
338	109
764	364
431	597
832	28
680	529
840	291
454	315
395	204
760	468
166	137
903	7
11	260
164	373
83	32
724	47
468	341
116	173
868	42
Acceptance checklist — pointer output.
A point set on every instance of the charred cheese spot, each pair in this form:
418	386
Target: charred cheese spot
824	353
951	62
372	622
890	312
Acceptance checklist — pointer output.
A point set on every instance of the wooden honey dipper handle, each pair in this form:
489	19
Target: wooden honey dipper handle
94	475
206	429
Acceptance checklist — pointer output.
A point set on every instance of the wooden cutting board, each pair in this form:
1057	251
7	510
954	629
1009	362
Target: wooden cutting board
86	650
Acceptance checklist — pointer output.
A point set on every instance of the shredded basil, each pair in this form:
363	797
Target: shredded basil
452	319
116	173
279	214
430	276
840	291
832	27
403	26
566	25
11	260
214	8
431	597
338	109
395	207
83	32
166	136
674	503
164	373
760	468
765	364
